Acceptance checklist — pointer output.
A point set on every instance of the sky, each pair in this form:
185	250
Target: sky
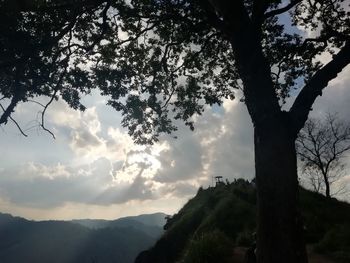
94	170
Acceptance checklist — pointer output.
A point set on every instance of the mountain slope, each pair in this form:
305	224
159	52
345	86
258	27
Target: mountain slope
217	219
68	242
150	224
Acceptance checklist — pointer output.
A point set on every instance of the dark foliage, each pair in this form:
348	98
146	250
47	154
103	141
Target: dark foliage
156	60
208	248
160	60
227	212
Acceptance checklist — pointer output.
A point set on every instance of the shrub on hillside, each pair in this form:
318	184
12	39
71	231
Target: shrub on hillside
336	243
209	247
245	239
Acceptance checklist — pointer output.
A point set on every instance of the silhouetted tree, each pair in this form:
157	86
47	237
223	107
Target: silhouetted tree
322	145
159	60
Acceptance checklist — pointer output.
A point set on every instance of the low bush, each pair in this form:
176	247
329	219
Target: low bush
208	248
336	243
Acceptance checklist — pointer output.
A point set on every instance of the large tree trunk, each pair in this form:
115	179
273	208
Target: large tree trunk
280	230
280	237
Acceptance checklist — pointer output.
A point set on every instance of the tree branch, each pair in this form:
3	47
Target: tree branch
33	6
252	65
213	18
302	105
56	89
282	10
15	122
259	8
17	96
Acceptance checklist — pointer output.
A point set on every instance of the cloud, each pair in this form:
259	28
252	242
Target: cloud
38	170
137	190
181	161
335	97
108	168
180	189
222	144
52	186
94	163
229	144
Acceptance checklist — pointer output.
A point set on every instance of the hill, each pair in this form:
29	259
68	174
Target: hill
216	220
117	241
150	224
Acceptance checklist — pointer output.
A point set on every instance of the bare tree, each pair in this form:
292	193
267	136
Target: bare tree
321	146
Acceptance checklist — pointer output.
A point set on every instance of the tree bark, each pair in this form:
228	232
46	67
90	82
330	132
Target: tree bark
280	229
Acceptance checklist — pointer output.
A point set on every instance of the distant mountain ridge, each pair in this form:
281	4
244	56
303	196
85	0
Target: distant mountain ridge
85	240
155	219
151	224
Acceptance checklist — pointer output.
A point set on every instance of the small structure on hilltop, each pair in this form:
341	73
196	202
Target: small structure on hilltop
218	180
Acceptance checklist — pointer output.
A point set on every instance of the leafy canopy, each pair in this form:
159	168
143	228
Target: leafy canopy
156	60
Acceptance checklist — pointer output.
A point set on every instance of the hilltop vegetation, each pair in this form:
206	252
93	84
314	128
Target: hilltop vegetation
218	219
205	230
85	241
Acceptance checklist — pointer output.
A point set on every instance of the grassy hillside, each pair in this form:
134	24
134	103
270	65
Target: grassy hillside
119	241
217	219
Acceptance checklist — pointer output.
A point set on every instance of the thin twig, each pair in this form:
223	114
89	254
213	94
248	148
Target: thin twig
48	104
37	102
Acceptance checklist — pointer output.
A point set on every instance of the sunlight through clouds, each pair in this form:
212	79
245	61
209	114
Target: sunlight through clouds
93	168
107	168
